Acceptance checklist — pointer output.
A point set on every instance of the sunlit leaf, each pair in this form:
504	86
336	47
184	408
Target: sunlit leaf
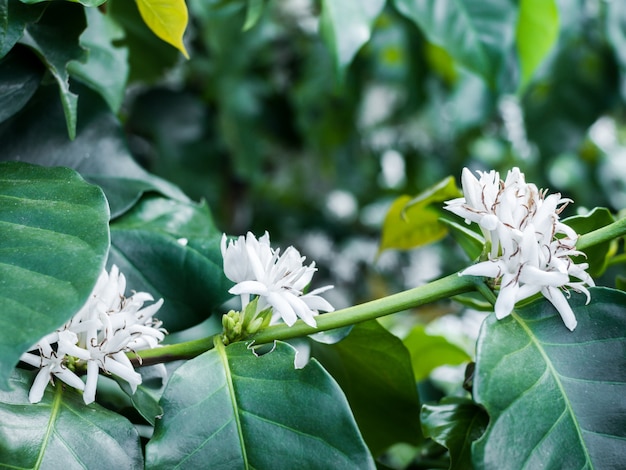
14	17
61	431
253	13
229	408
537	32
54	239
373	368
455	423
413	221
431	351
167	19
555	398
346	26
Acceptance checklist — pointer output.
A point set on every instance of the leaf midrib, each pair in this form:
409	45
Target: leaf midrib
55	407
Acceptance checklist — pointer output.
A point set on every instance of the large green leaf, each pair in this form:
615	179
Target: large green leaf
62	432
99	152
346	25
229	408
55	39
172	250
455	423
14	17
20	76
374	370
555	398
536	34
479	35
106	68
54	239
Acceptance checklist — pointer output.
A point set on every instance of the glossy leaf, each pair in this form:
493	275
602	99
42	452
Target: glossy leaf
61	431
476	34
414	221
346	26
54	38
455	423
597	254
54	239
99	152
20	75
103	58
537	32
172	250
14	17
431	351
555	398
167	19
373	368
229	408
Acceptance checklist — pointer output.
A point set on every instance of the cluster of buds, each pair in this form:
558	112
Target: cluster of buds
528	249
97	338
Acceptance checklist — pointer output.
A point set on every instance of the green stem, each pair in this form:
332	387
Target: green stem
443	288
615	230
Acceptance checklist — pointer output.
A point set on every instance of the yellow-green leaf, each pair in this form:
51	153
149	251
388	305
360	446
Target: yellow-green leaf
167	19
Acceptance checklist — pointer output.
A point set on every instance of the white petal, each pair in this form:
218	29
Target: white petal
505	303
556	298
39	385
486	268
283	308
249	287
89	394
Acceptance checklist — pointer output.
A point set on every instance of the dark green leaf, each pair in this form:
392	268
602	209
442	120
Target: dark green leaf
471	241
455	423
87	3
146	397
346	25
99	152
430	351
54	38
14	17
229	408
62	432
374	370
54	239
479	35
555	398
597	254
20	74
106	67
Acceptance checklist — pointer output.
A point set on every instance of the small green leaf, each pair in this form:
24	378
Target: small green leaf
471	241
167	19
61	431
229	408
373	368
20	75
15	16
346	26
555	398
253	13
413	222
54	38
431	351
455	423
103	58
536	34
54	239
597	255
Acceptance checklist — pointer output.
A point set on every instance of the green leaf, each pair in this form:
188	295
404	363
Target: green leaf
54	38
99	152
471	241
616	35
478	35
253	13
54	239
373	368
172	250
431	351
61	431
87	3
146	397
413	222
20	76
597	255
536	34
346	26
167	19
229	408
555	398
455	423
14	17
106	68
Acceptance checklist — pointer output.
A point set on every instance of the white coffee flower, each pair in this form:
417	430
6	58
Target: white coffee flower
530	248
278	280
96	338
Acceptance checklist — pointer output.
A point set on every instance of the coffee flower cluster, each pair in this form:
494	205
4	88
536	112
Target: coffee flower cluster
97	338
279	280
530	249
